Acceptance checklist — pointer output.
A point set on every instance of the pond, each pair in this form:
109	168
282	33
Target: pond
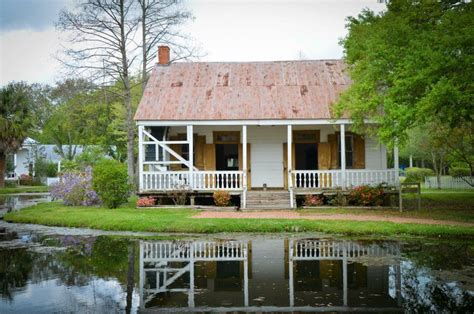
19	201
103	274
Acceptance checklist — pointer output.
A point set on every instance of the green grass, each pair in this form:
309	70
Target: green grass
434	205
179	220
24	189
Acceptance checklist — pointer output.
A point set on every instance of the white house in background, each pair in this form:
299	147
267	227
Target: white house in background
250	126
24	158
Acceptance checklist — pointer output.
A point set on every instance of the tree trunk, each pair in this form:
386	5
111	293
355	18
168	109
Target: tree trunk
3	166
144	52
127	101
423	163
437	171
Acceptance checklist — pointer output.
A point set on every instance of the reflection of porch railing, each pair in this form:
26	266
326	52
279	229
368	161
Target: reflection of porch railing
317	179
196	180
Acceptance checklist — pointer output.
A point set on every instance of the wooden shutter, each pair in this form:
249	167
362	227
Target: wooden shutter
209	157
199	143
324	156
332	140
359	152
177	149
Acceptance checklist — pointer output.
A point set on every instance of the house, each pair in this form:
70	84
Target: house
24	159
250	126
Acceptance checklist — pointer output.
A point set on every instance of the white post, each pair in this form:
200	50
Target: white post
246	276
343	155
191	279
141	278
244	166
191	154
141	156
344	274
411	161
290	274
396	164
289	147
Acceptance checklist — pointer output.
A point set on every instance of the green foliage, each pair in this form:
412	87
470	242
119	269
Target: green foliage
366	195
69	165
412	64
45	168
110	181
459	172
415	174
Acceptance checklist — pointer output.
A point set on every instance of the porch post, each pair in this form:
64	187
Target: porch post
396	164
244	166
411	161
191	154
140	158
289	147
343	155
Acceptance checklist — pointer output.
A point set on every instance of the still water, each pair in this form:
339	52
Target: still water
45	274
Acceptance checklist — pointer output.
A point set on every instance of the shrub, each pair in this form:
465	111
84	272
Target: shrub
339	199
75	188
459	172
26	179
313	200
45	168
221	198
110	180
366	196
418	174
146	202
179	194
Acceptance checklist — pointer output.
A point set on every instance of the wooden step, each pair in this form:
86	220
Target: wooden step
268	200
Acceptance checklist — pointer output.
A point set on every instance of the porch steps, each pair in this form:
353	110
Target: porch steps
268	199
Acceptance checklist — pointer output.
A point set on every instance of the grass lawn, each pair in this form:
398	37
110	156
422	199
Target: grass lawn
435	204
25	189
130	218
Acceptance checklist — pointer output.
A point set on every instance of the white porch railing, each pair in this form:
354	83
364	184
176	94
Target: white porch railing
196	180
320	179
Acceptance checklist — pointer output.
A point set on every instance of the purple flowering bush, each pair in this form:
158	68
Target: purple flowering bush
75	188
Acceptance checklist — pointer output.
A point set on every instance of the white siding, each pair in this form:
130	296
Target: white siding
266	162
375	154
266	152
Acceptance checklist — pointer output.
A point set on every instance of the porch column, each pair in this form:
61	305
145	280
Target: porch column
244	166
289	147
191	155
411	161
140	158
396	164
343	155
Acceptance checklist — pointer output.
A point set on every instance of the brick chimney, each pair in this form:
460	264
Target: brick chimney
163	55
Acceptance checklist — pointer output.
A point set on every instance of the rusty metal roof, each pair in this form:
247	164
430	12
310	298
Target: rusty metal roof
243	90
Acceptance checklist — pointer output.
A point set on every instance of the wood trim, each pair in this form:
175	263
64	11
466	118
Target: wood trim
316	134
215	134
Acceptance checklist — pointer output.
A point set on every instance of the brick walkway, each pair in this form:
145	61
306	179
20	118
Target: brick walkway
295	215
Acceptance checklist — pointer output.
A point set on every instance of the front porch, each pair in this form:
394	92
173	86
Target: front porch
203	157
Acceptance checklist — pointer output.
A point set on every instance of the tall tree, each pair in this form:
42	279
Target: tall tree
159	21
102	46
412	64
15	121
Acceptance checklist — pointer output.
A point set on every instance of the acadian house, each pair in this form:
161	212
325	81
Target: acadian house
245	127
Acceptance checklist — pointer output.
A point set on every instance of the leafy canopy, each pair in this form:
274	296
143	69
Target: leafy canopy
411	65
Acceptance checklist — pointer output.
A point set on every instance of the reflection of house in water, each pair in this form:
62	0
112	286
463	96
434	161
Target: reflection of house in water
268	275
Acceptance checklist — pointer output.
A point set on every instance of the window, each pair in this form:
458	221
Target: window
349	150
227	137
306	136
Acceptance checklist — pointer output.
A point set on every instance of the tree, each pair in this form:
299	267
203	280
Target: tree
159	20
102	46
411	65
15	121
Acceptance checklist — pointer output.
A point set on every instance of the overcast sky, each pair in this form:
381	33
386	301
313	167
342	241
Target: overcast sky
227	30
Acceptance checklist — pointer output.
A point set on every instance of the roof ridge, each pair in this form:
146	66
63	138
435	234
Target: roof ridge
275	61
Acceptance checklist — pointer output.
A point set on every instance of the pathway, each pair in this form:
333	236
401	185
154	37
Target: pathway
290	214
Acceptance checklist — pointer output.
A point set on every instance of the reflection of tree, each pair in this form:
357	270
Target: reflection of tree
432	296
439	255
15	266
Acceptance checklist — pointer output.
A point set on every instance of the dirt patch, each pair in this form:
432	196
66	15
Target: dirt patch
295	215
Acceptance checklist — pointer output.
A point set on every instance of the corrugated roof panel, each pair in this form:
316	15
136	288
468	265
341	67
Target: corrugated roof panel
243	90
